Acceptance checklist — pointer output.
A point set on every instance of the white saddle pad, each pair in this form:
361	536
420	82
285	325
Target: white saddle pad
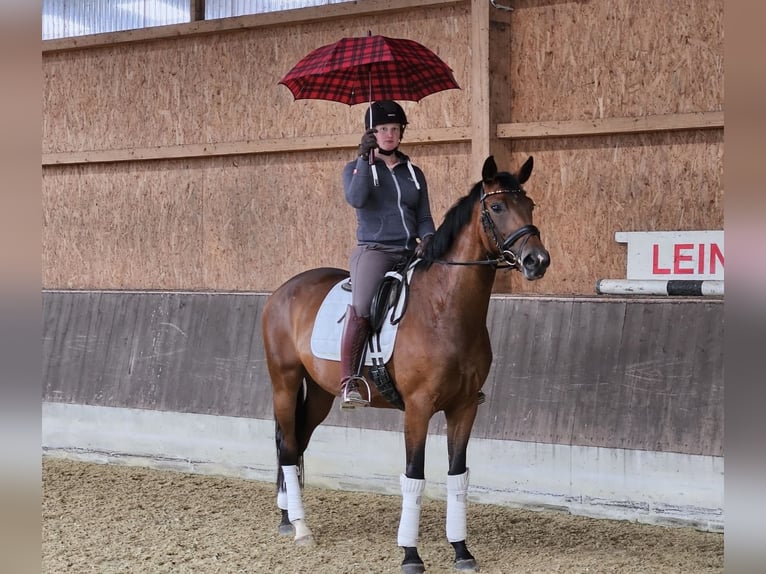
328	328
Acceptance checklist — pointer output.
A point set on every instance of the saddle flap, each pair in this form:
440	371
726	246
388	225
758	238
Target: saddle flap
385	298
328	328
388	308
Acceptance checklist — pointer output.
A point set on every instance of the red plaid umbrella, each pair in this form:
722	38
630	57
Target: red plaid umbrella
369	68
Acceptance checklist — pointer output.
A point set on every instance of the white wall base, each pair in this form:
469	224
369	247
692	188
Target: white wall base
649	487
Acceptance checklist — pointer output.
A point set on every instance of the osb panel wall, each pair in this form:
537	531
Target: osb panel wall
249	222
617	58
586	189
123	226
244	222
224	87
230	223
611	58
267	218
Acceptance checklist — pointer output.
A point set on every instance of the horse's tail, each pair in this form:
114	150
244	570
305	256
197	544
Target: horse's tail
300	425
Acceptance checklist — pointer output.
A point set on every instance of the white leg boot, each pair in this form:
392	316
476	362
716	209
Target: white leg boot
295	513
409	523
457	502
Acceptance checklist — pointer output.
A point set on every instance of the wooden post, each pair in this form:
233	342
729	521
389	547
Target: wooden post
480	112
197	10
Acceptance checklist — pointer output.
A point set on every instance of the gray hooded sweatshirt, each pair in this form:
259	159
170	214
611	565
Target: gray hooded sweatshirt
395	213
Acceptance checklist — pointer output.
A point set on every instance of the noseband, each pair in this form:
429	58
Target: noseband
508	257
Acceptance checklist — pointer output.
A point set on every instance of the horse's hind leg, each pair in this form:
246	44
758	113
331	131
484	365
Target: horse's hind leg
287	384
285	526
310	407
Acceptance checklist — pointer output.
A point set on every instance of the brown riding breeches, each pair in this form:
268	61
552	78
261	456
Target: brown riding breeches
368	265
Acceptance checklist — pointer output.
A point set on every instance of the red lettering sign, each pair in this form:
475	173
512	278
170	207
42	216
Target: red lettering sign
674	254
656	269
715	255
678	257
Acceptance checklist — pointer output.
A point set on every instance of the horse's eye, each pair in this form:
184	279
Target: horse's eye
497	207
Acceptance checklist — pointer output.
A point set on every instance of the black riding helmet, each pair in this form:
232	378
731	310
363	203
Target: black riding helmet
385	112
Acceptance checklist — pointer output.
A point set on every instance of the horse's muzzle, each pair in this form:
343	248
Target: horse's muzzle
535	263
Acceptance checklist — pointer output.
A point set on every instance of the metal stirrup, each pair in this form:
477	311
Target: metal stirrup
351	402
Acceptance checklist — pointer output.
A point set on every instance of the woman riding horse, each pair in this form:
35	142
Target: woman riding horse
441	358
392	213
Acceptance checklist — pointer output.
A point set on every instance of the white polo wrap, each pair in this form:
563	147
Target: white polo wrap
294	502
282	499
457	501
409	523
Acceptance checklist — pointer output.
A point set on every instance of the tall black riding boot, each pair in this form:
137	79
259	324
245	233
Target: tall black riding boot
355	333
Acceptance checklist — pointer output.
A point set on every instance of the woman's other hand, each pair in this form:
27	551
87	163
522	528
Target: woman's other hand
420	250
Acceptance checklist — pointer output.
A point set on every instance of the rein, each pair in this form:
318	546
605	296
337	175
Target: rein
508	259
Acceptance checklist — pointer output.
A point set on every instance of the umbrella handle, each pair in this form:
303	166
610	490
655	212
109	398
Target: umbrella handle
375	181
374	170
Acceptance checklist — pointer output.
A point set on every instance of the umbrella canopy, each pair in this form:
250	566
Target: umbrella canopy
369	68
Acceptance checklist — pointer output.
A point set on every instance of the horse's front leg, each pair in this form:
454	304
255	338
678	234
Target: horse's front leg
459	425
412	484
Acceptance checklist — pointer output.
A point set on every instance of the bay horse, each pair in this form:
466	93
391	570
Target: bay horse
441	357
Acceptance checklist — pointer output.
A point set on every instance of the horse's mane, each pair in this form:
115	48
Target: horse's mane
457	217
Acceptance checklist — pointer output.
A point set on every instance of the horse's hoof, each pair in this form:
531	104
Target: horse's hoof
466	565
286	530
305	541
413	568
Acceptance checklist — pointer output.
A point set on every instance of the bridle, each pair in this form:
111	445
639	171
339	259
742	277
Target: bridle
508	257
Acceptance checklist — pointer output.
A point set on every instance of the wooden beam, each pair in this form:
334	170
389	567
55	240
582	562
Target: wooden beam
197	10
277	145
608	126
480	112
280	18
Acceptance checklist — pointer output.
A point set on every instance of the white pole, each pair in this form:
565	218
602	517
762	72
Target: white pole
654	287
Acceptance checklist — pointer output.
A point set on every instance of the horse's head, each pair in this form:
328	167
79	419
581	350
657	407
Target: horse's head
507	220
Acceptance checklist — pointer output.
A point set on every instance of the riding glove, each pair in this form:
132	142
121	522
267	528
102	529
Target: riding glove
421	248
368	142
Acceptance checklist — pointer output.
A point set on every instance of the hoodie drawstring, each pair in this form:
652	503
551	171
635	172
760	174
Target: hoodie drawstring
412	173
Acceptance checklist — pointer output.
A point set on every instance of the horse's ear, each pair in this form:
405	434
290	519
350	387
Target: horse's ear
489	171
526	170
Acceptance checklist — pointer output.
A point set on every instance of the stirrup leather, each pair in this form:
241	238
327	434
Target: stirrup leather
350	397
